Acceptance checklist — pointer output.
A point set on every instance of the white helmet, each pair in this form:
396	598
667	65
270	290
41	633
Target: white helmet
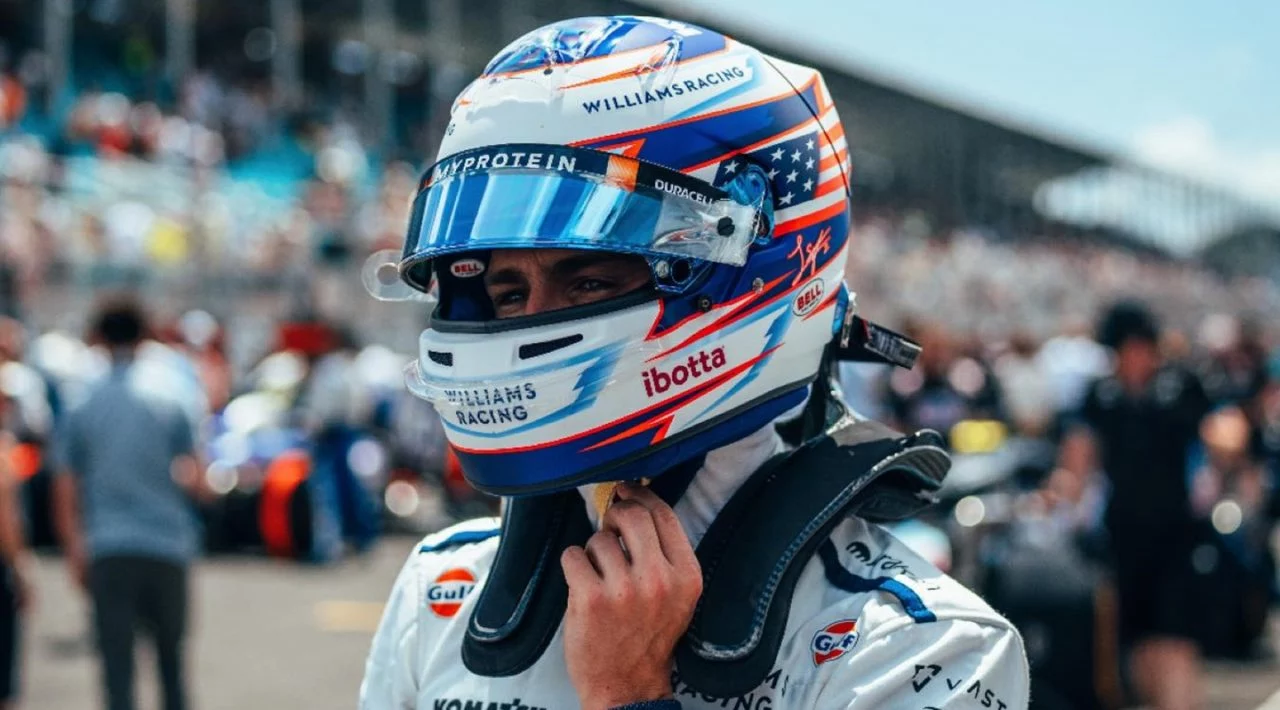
725	169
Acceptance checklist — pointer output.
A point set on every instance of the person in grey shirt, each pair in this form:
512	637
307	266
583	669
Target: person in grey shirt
123	508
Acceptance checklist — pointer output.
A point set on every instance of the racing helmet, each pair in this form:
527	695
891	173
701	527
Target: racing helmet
724	169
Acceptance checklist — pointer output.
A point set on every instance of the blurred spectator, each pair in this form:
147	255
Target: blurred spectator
1072	361
129	464
1075	494
1026	387
1236	365
10	306
16	592
1266	409
384	220
1231	470
205	342
13	100
944	389
1144	419
31	399
1233	495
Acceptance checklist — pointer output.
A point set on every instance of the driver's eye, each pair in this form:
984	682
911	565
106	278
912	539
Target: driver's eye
509	302
508	297
589	285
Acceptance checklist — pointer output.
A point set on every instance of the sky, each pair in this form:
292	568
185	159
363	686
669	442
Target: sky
1192	87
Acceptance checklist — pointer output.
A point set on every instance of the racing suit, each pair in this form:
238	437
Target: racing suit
916	640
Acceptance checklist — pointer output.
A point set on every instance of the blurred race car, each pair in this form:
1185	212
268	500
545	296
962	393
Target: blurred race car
305	493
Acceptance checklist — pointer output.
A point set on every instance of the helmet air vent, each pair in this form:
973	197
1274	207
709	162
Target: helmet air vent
533	350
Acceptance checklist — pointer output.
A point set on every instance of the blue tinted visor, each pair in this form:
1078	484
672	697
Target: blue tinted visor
557	197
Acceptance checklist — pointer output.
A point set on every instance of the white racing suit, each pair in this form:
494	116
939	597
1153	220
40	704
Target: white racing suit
919	641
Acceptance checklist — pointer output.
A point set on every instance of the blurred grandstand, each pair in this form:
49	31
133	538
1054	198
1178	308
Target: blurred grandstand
244	157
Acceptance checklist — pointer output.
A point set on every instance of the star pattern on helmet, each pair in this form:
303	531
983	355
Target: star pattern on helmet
792	167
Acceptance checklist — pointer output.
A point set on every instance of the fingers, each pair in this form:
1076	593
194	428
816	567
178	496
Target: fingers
662	564
600	559
578	569
605	552
635	525
671	536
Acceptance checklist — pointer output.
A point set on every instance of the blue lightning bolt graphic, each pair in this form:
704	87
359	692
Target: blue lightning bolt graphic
777	330
592	380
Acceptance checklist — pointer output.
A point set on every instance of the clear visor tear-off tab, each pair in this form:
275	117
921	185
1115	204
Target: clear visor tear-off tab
381	278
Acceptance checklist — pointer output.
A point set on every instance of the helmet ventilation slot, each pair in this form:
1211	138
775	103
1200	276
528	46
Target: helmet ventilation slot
533	350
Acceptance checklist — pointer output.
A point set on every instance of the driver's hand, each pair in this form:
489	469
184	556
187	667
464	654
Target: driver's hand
632	593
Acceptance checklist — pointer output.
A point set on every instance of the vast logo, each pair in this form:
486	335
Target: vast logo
924	675
656	381
834	641
451	588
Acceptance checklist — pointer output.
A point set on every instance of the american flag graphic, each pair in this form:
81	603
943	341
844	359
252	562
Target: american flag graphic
792	166
804	171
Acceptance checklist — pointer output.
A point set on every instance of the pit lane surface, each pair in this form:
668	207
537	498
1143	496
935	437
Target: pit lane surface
274	635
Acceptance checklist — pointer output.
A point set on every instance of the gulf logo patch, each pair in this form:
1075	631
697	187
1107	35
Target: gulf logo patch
451	588
834	641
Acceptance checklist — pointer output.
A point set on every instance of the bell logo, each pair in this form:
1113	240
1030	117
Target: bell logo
466	268
834	641
451	588
656	381
808	298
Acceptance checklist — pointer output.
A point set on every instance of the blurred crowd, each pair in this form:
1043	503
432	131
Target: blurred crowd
218	190
213	189
1025	314
215	202
1039	286
216	195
